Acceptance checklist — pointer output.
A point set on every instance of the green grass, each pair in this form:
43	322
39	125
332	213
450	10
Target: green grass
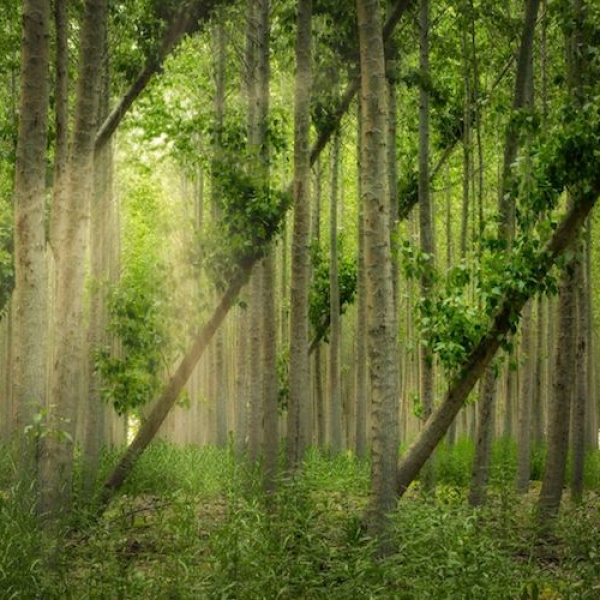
192	523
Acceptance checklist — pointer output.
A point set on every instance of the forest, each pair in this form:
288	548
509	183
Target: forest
299	299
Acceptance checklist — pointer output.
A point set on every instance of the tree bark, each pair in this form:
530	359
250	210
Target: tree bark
70	245
335	338
381	338
29	297
299	407
95	414
426	231
525	403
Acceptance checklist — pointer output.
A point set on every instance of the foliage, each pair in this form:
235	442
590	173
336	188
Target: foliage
139	314
250	211
192	523
23	545
252	214
453	320
319	308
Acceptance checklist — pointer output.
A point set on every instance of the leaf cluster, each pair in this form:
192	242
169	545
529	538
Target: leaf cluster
252	214
455	316
138	307
131	379
319	294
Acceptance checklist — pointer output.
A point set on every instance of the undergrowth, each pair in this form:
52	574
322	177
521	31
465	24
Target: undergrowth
194	523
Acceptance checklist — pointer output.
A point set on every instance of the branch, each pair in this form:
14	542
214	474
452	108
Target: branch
186	21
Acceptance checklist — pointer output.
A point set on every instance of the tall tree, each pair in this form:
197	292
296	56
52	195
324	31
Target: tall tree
29	382
565	387
381	339
220	391
69	245
426	370
299	408
335	338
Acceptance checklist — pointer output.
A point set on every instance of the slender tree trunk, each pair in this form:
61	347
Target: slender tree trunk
219	389
427	380
95	413
29	296
320	418
525	403
362	374
382	327
581	392
269	321
560	407
335	338
299	409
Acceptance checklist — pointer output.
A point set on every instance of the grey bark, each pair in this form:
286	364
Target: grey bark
28	358
335	380
300	404
382	326
70	245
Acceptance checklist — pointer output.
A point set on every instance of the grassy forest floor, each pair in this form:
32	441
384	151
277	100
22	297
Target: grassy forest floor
192	523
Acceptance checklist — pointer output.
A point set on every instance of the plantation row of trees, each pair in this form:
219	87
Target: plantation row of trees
361	227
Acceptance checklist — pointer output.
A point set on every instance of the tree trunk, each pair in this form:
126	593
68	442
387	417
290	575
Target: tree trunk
560	407
381	338
525	403
70	244
95	414
219	389
335	337
299	407
29	297
581	392
426	231
362	373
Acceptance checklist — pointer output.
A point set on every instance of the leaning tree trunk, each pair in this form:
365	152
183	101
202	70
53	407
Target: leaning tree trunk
28	377
483	353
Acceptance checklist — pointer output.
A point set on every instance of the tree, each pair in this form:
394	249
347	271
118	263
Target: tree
29	393
381	339
299	407
426	370
565	388
69	245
